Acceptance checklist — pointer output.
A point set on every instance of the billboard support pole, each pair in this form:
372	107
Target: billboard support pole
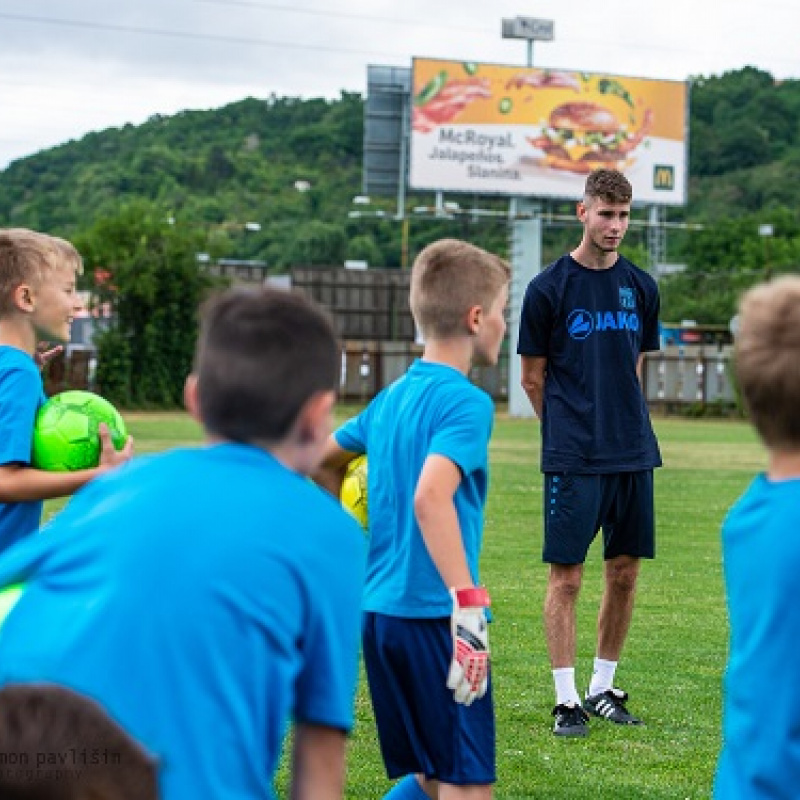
525	246
403	162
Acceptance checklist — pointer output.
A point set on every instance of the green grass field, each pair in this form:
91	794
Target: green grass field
675	655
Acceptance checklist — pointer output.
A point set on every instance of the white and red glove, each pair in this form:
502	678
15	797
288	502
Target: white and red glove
469	669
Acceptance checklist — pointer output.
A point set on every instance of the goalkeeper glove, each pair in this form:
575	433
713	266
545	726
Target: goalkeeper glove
469	669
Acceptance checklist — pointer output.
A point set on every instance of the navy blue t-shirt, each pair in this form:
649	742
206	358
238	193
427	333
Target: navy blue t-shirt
591	325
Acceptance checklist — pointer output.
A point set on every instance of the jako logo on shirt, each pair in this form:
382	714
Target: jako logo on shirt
581	323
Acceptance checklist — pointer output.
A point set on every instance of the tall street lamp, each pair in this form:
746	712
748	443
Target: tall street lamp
766	232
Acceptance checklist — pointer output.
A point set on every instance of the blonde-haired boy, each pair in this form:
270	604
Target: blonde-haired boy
760	755
38	301
426	436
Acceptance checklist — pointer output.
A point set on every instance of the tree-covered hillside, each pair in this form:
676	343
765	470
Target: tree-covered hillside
212	169
211	172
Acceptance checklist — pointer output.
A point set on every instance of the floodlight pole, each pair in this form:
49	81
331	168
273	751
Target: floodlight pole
525	233
530	29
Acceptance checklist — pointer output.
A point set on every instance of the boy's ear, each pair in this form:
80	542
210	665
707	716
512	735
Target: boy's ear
474	318
315	417
23	298
191	397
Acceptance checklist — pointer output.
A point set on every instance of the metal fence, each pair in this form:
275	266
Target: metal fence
672	378
371	312
369	366
692	375
369	305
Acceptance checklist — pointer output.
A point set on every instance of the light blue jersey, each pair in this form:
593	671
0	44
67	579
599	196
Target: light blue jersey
760	756
204	597
21	394
432	409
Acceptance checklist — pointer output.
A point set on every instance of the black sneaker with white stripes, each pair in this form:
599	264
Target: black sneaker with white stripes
571	720
610	705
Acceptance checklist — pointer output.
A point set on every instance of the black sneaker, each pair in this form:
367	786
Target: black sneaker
571	720
610	705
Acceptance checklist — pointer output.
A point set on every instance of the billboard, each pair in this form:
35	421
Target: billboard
487	128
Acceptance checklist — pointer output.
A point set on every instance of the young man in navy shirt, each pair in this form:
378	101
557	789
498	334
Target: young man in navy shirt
586	321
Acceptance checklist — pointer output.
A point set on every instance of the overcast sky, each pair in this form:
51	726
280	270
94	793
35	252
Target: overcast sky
76	66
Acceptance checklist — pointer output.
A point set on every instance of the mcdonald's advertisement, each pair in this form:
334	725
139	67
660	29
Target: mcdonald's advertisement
539	132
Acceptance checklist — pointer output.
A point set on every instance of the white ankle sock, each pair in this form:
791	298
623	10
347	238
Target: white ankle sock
566	692
602	676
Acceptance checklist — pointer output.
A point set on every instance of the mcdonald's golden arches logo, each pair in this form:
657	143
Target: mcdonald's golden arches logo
663	177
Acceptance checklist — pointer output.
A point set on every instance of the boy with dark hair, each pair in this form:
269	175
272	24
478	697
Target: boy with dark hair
426	436
205	596
586	321
59	745
37	302
760	755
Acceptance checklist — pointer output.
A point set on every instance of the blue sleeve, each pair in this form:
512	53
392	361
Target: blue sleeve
535	322
353	434
464	434
326	685
20	397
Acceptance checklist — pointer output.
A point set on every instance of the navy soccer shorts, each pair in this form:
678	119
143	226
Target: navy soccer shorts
576	507
421	728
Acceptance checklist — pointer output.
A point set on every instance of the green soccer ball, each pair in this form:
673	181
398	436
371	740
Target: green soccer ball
66	434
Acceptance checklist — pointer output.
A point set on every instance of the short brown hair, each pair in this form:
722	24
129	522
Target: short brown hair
608	185
768	360
27	257
448	278
44	725
260	356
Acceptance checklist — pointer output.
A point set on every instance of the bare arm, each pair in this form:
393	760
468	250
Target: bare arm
639	366
534	371
318	762
436	514
330	472
21	483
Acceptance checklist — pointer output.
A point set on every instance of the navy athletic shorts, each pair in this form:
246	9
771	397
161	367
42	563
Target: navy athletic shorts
576	507
421	728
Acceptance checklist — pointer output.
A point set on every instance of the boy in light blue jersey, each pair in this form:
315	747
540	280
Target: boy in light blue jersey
38	301
760	758
207	597
426	438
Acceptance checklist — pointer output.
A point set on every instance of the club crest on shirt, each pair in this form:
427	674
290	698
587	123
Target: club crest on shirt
627	299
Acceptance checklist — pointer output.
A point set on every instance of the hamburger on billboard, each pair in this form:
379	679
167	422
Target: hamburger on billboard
532	131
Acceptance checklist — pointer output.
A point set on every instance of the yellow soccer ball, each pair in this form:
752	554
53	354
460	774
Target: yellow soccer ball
354	490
